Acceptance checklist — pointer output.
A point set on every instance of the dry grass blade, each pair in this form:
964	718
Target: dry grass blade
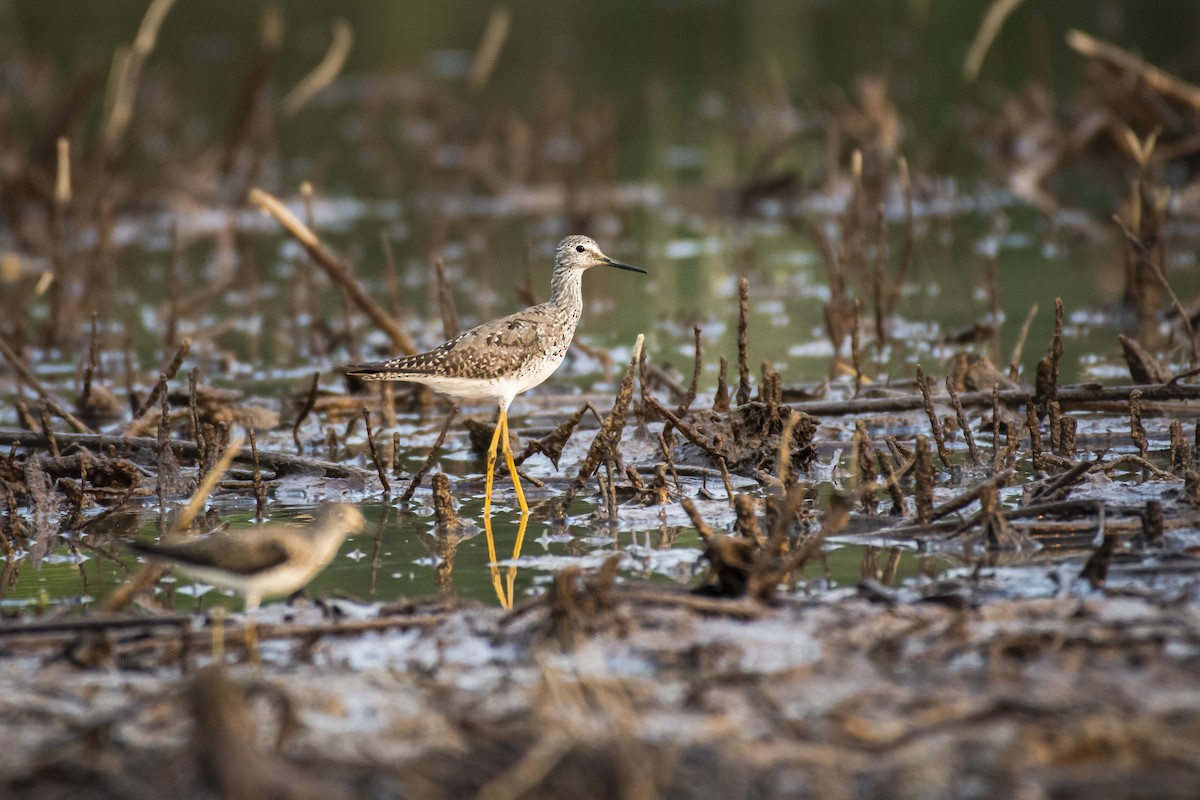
127	73
993	21
324	73
62	176
494	36
1014	363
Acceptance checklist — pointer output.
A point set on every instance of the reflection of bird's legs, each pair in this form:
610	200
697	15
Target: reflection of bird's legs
491	459
512	571
512	467
505	602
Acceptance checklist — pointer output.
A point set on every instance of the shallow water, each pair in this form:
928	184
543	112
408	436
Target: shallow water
401	555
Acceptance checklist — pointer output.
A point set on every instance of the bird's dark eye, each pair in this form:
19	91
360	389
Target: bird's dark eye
579	248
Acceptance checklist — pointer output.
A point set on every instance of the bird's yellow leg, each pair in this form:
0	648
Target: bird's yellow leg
512	467
491	462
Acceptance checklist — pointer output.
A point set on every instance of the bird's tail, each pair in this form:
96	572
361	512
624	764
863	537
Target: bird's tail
146	549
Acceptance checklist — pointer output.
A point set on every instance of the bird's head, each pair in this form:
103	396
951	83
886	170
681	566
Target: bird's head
343	516
581	252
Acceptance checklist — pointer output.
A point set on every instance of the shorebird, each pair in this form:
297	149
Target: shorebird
268	561
498	360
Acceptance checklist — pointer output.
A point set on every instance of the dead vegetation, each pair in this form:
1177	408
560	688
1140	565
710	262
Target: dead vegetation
1082	695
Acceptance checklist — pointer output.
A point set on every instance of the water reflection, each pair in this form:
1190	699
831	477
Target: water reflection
401	554
505	592
442	546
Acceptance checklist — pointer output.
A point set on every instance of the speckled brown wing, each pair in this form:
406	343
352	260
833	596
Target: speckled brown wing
244	555
494	349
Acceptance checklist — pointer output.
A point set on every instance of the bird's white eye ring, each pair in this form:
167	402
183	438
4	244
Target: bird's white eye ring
579	248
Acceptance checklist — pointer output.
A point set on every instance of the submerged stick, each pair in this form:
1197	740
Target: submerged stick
380	469
963	424
934	424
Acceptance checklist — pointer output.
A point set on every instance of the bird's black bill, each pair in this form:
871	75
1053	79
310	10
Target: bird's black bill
612	262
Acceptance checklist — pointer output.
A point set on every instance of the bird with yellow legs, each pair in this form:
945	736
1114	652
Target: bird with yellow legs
499	360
